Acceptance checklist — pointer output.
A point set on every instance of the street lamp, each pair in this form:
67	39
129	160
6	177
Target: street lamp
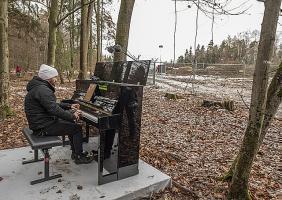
160	47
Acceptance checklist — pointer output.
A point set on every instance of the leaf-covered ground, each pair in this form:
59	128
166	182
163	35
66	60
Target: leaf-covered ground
192	144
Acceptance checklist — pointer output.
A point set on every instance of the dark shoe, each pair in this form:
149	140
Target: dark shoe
82	159
85	153
94	152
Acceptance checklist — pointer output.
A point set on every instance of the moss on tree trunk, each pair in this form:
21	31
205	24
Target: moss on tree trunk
239	185
6	111
227	176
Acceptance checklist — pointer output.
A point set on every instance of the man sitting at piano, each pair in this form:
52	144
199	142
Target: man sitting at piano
46	117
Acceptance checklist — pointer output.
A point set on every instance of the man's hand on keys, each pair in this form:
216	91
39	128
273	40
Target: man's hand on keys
77	114
75	107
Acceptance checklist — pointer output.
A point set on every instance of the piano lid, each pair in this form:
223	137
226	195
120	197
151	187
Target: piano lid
132	72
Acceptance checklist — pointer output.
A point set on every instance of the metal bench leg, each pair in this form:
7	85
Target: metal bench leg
47	176
64	141
35	159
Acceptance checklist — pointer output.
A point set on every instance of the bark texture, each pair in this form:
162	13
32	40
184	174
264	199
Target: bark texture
273	102
52	40
4	60
250	144
72	32
97	8
90	36
84	38
60	54
123	27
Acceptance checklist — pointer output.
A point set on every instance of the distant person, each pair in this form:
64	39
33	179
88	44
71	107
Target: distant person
18	70
46	117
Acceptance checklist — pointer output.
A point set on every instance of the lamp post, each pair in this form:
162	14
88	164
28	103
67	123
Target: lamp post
160	47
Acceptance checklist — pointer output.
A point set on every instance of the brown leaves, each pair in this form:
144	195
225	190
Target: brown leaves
196	145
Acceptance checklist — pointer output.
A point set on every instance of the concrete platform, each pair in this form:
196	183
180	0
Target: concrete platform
15	184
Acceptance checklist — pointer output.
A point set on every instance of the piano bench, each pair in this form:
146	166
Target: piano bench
43	144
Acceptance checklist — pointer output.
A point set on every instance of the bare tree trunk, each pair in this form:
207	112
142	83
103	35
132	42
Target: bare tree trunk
90	52
84	36
27	53
71	70
273	102
89	31
59	53
101	28
97	8
4	60
77	39
123	27
249	147
52	32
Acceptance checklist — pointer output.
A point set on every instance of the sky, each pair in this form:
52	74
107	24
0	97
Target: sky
152	24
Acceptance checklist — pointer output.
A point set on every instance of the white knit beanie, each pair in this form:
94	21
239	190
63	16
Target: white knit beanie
46	72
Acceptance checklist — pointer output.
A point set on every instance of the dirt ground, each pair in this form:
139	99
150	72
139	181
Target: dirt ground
193	144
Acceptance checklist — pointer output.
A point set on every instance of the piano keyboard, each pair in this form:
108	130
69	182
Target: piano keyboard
89	117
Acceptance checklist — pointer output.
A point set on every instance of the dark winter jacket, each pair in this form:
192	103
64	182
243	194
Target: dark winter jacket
40	105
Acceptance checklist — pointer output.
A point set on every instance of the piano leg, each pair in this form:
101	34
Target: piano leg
107	162
109	141
86	138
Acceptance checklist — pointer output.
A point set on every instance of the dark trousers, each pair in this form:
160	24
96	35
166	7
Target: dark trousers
73	130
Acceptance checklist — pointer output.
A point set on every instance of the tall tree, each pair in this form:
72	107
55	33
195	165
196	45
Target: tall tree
54	10
90	37
83	41
123	26
86	15
4	60
186	56
97	8
251	140
274	99
72	33
180	59
60	54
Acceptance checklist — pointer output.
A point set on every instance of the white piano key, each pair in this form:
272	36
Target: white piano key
90	117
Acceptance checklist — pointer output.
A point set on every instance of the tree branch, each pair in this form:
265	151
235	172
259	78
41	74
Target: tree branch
208	7
61	8
68	14
185	189
243	100
38	2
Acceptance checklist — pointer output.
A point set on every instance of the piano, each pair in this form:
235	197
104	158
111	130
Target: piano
99	115
114	109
